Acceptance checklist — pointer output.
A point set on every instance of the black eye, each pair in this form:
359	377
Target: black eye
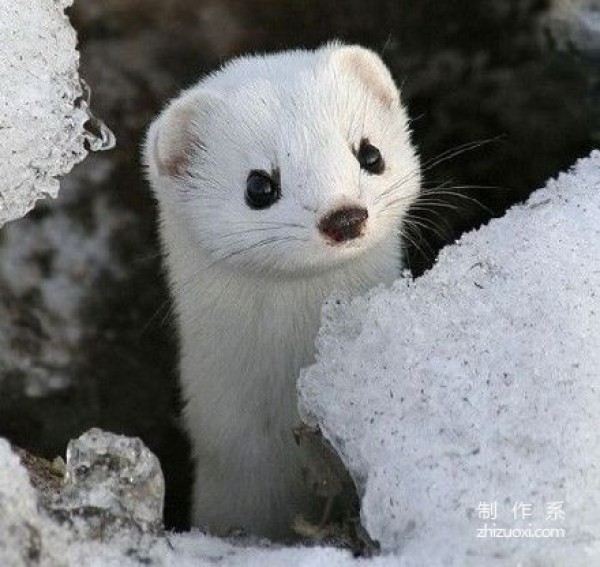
261	190
370	158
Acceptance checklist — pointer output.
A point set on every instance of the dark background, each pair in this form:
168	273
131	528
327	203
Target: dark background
470	71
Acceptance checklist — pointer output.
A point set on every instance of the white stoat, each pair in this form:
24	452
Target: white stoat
281	179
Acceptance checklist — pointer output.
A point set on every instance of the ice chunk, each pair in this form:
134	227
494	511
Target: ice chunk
45	121
113	477
29	537
105	524
476	389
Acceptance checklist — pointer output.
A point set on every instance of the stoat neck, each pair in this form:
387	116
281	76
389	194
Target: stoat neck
244	338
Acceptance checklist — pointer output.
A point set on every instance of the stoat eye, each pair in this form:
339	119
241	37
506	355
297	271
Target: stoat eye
261	190
369	157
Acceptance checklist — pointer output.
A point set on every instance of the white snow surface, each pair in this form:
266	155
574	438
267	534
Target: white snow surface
477	383
42	114
25	533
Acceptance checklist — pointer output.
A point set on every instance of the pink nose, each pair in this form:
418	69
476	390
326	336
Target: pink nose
344	224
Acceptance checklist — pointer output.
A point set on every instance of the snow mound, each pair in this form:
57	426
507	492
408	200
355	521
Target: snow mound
468	400
44	110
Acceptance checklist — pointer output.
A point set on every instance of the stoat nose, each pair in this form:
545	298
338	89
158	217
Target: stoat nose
344	223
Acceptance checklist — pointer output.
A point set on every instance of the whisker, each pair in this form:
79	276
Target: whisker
457	151
435	161
414	119
256	245
386	45
399	183
426	224
180	288
409	238
434	203
439	215
165	306
251	230
289	224
466	198
413	202
447	185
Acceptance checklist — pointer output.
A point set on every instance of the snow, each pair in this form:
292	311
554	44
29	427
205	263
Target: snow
26	534
477	383
45	122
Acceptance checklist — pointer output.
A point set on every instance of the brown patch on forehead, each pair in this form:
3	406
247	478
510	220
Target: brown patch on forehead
368	71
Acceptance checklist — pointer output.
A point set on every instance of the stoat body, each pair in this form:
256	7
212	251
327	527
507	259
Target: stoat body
281	180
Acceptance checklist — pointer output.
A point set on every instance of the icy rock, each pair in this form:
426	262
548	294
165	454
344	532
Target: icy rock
114	478
476	389
45	121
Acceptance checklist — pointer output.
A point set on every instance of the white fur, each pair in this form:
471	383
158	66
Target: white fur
247	284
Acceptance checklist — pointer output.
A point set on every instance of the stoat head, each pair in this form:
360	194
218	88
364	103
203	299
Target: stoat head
289	163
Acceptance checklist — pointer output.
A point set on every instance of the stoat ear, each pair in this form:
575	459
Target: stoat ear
175	137
370	69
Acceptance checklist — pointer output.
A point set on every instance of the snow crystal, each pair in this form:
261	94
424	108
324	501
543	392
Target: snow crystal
470	397
44	110
114	477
